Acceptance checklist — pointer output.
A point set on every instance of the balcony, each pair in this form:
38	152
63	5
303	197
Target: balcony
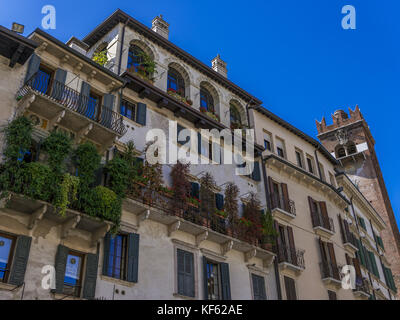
282	209
63	106
349	242
330	273
162	208
363	289
291	258
322	227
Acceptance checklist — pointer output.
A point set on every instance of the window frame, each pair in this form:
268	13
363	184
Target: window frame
123	259
132	55
80	282
212	262
278	148
132	106
310	164
11	253
174	76
299	157
269	136
253	274
206	96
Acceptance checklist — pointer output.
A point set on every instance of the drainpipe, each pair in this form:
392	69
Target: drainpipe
269	206
122	47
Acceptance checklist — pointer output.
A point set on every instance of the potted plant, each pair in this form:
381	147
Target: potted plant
193	202
189	102
180	186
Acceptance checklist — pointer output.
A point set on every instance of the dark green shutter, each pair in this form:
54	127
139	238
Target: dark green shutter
20	260
60	265
141	114
133	257
89	286
195	191
58	88
83	107
205	278
179	129
256	175
185	273
199	143
33	67
106	252
225	281
258	287
219	201
107	110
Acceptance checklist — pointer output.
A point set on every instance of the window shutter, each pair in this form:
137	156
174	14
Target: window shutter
20	262
60	265
107	110
325	217
292	246
219	201
141	113
89	286
133	257
356	264
285	194
205	280
256	175
342	229
195	193
58	89
185	273
360	253
33	67
98	177
106	252
333	260
272	195
278	242
199	143
314	217
225	281
258	287
83	107
290	287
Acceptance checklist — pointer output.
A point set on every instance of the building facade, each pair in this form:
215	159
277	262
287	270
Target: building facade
202	231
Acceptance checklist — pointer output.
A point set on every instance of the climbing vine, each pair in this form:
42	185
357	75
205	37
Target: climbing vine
67	193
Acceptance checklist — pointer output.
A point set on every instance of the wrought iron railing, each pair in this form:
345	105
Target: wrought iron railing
170	206
349	237
283	204
291	255
319	221
329	270
362	285
71	99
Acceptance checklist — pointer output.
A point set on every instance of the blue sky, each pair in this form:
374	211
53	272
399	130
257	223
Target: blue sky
293	55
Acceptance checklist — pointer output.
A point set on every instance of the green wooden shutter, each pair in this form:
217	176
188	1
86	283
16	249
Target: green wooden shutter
20	260
60	265
89	286
258	288
107	110
373	263
33	67
225	282
185	273
83	106
360	253
195	190
199	143
106	253
58	88
219	201
133	257
256	174
205	278
141	114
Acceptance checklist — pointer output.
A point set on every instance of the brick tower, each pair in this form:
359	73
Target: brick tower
351	142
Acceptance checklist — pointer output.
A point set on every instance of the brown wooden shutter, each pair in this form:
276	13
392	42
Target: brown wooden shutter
342	229
348	260
333	260
272	196
356	264
325	217
285	194
292	246
278	242
346	228
290	288
312	212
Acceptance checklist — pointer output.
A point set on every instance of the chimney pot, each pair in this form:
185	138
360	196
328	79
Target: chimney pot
160	26
219	66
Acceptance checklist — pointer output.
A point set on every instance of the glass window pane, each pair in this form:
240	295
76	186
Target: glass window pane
73	270
5	247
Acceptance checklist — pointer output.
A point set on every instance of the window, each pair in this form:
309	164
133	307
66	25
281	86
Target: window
186	280
206	100
332	295
117	258
135	58
73	274
321	168
93	105
236	121
341	152
332	179
290	288
175	82
280	149
267	145
42	81
128	110
213	281
267	141
6	249
299	158
258	287
310	165
351	148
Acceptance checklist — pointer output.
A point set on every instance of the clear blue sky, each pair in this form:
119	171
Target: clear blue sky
291	54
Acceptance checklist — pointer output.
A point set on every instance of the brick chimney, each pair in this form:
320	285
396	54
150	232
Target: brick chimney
160	26
219	66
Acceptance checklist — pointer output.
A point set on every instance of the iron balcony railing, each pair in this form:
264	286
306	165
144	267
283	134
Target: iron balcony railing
75	101
349	237
329	270
319	221
291	255
279	202
362	285
170	206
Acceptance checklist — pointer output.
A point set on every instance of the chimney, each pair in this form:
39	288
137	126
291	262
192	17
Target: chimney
160	26
219	66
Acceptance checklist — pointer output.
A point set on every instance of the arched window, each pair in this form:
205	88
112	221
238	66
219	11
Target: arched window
351	148
135	58
236	119
206	100
175	82
341	152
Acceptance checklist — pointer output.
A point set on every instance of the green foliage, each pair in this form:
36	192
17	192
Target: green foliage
67	193
18	138
58	147
119	171
267	222
36	179
207	197
86	160
100	57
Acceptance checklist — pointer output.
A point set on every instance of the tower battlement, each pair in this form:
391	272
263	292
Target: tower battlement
340	118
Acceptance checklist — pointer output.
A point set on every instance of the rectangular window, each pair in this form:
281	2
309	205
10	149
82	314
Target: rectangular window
213	281
186	282
267	145
128	110
258	287
117	260
43	80
332	179
73	274
280	148
290	287
299	158
310	165
321	168
7	244
267	141
332	295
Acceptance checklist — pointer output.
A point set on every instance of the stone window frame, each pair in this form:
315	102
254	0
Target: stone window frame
261	273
